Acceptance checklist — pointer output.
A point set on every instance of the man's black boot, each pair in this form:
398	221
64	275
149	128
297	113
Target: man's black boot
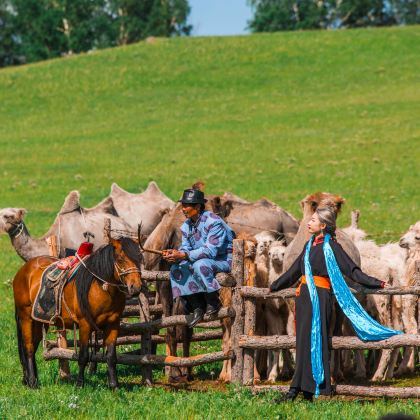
213	303
194	318
196	305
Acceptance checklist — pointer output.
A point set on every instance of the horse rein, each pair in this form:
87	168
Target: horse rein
121	273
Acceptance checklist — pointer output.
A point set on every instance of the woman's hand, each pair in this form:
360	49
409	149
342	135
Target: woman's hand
385	285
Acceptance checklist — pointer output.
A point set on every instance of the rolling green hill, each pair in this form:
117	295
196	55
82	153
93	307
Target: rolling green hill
275	115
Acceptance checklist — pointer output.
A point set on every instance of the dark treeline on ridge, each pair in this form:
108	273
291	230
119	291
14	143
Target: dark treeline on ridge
34	30
289	15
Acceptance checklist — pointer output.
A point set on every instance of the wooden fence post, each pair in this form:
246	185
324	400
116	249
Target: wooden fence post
146	337
417	283
249	329
238	306
250	309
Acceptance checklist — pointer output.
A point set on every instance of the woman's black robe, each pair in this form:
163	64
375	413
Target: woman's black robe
303	379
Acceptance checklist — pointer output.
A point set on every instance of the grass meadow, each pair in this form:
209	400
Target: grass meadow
274	115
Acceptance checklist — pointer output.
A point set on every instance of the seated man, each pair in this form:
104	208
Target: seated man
206	249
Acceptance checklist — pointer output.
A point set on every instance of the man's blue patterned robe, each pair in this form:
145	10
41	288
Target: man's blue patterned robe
208	245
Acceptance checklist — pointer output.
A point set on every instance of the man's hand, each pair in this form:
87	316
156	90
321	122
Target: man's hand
173	255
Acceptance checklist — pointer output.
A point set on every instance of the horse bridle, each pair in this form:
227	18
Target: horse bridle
121	273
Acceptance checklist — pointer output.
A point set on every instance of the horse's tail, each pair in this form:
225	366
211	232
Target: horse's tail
21	344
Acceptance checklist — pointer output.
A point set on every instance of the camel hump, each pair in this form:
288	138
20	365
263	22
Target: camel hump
106	206
116	189
71	202
152	188
265	202
199	185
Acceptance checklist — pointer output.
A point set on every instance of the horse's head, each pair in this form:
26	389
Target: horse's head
127	262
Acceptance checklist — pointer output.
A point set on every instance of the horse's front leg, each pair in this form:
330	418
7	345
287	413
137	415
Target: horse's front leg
110	341
84	333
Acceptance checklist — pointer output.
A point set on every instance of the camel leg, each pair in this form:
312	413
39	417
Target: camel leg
407	363
409	304
383	303
171	350
110	341
383	365
347	362
84	333
257	376
397	324
389	374
273	365
225	374
287	371
186	344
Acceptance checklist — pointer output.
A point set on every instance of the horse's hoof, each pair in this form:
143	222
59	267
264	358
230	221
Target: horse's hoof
33	383
180	379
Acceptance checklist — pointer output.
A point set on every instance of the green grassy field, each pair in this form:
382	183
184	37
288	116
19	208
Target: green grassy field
275	115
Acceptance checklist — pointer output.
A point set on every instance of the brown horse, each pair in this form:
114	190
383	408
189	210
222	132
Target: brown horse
93	300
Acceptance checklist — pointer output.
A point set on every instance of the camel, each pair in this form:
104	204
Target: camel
309	204
262	215
278	317
147	207
387	263
242	217
264	240
72	226
411	242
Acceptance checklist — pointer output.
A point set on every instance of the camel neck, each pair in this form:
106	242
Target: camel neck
25	246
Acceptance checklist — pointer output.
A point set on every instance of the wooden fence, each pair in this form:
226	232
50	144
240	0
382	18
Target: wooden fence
244	342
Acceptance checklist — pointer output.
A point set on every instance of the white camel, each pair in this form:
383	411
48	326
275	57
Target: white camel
387	263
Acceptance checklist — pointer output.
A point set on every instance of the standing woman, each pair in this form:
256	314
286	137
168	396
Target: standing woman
320	267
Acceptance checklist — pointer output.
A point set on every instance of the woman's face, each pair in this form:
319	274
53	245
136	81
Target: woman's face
315	226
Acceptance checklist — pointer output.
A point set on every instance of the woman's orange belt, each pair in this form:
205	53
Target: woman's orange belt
319	281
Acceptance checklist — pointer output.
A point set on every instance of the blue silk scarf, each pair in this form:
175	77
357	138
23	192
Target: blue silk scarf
366	327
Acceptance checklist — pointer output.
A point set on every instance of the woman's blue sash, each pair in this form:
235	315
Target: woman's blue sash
367	329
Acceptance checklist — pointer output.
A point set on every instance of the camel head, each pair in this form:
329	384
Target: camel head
411	239
276	252
220	206
321	199
10	218
264	240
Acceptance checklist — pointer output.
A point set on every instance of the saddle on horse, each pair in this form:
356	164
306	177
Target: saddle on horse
48	300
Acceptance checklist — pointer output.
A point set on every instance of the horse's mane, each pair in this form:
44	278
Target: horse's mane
101	263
